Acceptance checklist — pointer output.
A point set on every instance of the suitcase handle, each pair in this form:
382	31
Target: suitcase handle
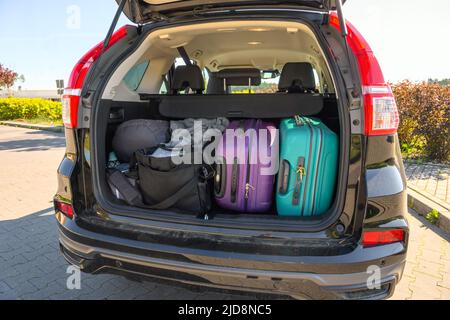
234	180
300	173
220	179
299	121
283	182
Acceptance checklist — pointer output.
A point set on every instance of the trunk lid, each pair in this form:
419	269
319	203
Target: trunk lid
144	11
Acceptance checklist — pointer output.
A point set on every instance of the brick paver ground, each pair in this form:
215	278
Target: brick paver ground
427	272
32	268
434	179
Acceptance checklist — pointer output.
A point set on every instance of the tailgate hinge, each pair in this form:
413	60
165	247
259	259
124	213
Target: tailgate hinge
355	102
158	17
84	119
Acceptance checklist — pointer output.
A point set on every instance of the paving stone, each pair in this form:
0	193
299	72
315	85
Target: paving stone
129	293
66	295
24	289
426	282
429	268
122	282
421	293
425	287
4	288
102	293
445	293
43	294
432	179
409	269
432	256
402	292
445	282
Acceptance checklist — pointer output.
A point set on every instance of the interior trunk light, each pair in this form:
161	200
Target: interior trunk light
165	37
258	29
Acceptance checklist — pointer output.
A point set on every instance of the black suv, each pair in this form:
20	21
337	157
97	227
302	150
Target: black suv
355	251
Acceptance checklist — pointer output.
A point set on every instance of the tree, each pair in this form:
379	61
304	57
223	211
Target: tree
7	77
443	82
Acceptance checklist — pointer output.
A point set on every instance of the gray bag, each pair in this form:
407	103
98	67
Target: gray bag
139	134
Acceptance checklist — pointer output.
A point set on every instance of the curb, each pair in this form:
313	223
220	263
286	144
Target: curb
423	204
58	129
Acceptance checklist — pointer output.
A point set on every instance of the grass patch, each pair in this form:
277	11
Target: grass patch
433	216
41	121
416	149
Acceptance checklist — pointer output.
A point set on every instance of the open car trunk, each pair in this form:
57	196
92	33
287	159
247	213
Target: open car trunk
217	47
121	113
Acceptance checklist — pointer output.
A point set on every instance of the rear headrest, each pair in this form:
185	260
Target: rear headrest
188	77
297	77
240	77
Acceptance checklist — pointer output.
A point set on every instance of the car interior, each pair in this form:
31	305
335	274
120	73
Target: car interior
268	70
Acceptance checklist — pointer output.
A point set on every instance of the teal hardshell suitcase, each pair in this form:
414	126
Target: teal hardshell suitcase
308	168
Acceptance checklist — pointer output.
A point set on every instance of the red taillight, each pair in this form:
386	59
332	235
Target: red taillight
71	98
377	238
381	113
65	208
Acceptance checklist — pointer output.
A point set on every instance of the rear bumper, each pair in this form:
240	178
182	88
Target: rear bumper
98	253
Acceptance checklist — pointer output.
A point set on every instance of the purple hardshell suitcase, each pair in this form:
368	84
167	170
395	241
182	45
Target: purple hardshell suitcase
244	180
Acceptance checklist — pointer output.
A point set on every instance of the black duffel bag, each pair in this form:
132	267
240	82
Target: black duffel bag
165	185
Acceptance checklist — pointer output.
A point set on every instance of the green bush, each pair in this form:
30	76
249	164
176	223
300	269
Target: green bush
27	109
425	119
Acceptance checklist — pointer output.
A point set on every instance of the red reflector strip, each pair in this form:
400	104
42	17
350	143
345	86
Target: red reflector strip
376	238
65	208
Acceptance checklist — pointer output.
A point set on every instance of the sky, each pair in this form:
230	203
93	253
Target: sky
44	39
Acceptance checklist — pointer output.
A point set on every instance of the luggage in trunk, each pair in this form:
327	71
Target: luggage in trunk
163	184
139	134
308	170
243	182
166	186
